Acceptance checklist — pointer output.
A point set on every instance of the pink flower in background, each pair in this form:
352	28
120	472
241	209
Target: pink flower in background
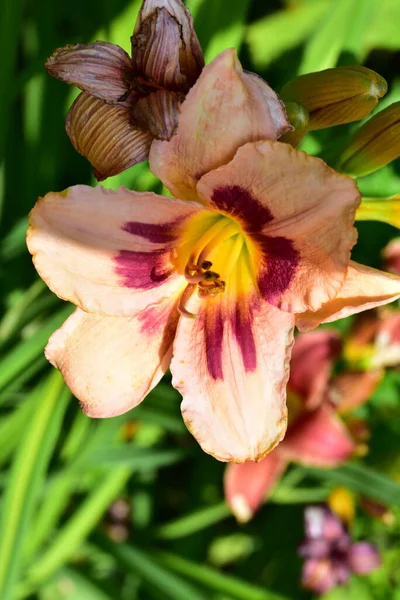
391	256
212	281
316	435
330	555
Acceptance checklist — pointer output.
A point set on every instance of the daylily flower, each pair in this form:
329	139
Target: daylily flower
257	236
374	341
316	436
391	256
127	102
330	555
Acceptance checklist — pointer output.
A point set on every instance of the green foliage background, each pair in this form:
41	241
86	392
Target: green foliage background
60	471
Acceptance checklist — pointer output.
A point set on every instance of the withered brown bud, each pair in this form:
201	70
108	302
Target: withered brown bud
127	102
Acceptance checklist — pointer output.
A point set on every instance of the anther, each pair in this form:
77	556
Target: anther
206	265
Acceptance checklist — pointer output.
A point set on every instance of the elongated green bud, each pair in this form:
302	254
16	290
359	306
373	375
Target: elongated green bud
336	96
374	145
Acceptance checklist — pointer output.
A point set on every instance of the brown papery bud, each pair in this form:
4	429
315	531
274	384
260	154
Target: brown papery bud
165	48
104	135
336	96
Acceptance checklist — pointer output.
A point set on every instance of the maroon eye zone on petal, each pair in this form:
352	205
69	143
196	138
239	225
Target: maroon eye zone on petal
143	270
240	204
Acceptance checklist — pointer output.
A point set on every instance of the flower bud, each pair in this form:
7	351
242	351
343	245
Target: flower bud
299	118
336	96
374	145
386	210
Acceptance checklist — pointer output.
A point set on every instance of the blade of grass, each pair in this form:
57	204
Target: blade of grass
172	586
26	478
25	352
77	528
12	319
362	479
215	580
194	522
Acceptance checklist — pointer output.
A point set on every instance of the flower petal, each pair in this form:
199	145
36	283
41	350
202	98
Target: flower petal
318	575
352	389
231	369
247	485
387	342
108	252
225	109
363	558
312	361
102	69
156	50
190	57
299	212
104	135
363	288
157	114
111	363
318	439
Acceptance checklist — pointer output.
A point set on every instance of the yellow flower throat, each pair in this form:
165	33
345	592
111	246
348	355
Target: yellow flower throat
215	256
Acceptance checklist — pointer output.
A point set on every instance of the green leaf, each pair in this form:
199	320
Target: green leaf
78	527
215	580
219	28
194	522
24	353
341	30
141	563
140	459
383	29
271	36
26	477
73	585
362	479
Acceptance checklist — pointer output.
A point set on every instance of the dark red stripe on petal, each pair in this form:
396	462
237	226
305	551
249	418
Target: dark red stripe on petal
143	270
213	336
239	203
241	322
281	259
153	232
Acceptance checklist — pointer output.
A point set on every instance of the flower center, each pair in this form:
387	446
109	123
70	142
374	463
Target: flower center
216	256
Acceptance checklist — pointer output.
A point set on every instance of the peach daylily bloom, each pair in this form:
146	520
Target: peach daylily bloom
209	282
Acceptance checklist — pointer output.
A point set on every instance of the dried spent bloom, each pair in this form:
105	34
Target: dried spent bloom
331	97
330	555
374	145
211	282
127	102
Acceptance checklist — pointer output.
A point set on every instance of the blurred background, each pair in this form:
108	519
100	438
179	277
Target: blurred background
130	508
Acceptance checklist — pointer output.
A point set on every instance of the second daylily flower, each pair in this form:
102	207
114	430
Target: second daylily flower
257	233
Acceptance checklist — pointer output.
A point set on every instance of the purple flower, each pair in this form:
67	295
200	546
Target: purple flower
330	556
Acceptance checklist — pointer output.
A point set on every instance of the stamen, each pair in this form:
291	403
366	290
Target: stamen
187	294
227	232
198	255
